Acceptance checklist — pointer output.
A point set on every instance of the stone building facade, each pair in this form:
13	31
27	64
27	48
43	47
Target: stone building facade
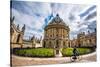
74	43
16	35
56	34
36	42
86	40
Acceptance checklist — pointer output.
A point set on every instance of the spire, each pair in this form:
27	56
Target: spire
57	15
83	32
23	28
18	26
95	30
88	32
12	18
57	18
33	37
41	38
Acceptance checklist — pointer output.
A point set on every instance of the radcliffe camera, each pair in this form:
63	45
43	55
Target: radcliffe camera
44	33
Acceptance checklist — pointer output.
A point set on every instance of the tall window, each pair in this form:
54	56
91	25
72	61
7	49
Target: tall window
18	38
11	31
50	45
68	44
63	43
57	44
44	44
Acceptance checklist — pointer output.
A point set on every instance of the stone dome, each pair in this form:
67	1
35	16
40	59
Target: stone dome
57	22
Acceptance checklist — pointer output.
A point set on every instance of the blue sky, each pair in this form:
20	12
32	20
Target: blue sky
36	15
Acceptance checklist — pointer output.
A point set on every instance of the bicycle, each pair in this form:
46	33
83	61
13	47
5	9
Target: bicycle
75	58
75	55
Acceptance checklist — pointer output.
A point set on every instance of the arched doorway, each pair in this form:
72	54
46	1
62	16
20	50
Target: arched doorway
57	49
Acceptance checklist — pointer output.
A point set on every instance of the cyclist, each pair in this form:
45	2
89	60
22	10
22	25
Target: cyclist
75	54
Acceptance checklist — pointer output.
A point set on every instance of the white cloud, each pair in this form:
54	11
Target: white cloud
29	21
37	12
39	8
85	9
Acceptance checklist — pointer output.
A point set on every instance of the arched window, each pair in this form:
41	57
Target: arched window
44	44
11	31
50	45
68	44
63	43
57	45
79	45
18	38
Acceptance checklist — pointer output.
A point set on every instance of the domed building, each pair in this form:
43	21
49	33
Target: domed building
56	34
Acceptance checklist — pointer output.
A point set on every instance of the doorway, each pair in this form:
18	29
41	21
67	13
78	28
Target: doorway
57	52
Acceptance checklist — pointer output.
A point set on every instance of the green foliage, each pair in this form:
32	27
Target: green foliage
38	52
81	51
67	52
84	50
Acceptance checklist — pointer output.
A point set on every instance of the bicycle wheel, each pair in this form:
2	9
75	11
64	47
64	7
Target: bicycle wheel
73	58
79	58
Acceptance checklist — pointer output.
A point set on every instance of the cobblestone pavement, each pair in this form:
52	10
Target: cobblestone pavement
20	61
